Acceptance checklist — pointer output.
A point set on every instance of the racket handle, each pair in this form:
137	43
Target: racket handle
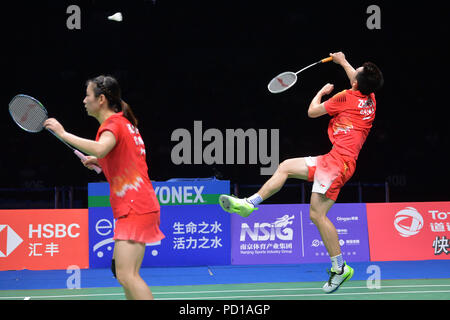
326	59
83	157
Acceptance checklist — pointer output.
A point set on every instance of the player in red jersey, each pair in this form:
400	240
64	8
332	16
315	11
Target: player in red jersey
353	112
120	151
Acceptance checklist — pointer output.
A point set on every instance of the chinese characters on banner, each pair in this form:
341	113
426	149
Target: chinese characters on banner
43	239
202	234
441	245
193	236
196	229
284	234
409	231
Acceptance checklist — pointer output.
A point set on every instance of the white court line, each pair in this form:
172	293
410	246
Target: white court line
306	295
246	290
67	296
299	289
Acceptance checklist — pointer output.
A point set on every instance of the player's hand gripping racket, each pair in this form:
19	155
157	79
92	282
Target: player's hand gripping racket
30	115
287	79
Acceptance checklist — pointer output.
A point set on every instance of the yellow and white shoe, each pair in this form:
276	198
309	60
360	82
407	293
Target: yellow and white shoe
337	278
232	204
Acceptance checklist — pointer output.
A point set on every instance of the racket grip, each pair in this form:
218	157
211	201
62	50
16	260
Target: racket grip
83	157
327	59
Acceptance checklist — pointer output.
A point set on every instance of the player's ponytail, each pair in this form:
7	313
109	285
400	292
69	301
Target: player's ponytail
109	87
128	113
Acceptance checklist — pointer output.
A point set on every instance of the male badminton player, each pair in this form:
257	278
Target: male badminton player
352	112
120	151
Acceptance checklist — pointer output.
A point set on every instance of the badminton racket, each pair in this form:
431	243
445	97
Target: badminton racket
287	79
29	114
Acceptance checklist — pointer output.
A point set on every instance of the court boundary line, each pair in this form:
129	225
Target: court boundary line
249	290
308	295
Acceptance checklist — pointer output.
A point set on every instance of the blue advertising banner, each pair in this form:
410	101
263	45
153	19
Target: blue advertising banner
350	220
273	235
283	234
197	230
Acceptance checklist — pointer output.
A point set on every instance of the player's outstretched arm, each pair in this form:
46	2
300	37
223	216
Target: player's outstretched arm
339	58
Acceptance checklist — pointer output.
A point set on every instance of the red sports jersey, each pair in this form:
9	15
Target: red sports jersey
353	114
125	168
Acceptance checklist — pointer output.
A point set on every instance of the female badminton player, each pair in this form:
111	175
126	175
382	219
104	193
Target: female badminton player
120	151
352	112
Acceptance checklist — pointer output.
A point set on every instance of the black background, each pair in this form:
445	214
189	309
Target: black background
181	61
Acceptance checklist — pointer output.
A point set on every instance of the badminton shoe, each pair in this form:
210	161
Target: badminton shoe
235	205
337	277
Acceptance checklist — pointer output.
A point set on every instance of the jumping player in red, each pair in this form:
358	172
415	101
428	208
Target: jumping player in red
120	151
352	112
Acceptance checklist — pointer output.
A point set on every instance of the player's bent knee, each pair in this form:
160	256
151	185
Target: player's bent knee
282	167
122	277
295	168
315	215
126	277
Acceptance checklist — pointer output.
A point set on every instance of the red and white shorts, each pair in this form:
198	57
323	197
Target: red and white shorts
330	172
139	227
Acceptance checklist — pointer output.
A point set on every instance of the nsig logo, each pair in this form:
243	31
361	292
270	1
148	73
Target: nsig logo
269	231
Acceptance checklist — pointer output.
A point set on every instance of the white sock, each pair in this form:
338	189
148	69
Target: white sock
255	199
337	262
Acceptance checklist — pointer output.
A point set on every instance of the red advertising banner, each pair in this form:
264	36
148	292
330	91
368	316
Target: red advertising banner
44	239
409	231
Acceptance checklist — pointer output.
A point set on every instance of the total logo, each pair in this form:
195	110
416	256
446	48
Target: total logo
9	240
408	222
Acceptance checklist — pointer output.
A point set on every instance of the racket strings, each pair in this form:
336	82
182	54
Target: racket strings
282	82
28	114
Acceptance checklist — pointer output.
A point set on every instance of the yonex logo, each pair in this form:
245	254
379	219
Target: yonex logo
9	240
408	222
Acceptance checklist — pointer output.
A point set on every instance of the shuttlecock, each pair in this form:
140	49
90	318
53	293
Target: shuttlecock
116	17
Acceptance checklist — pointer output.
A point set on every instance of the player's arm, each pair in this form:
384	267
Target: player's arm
316	107
339	58
98	149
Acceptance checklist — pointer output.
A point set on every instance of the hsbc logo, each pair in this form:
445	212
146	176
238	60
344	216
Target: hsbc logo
408	222
9	240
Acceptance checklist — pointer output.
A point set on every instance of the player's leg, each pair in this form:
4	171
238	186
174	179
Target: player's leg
340	271
114	271
291	168
320	205
128	256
